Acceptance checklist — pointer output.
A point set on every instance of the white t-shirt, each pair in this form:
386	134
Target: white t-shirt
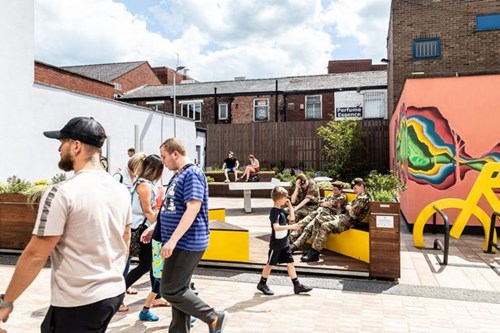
90	212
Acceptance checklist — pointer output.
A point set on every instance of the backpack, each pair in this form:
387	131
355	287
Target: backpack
253	178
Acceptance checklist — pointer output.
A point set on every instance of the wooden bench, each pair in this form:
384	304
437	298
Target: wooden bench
227	242
218	176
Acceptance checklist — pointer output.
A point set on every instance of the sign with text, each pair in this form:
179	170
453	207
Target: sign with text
349	112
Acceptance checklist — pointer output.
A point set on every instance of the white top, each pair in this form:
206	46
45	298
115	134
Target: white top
90	212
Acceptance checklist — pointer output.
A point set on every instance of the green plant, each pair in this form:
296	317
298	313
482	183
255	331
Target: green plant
340	140
16	185
35	193
384	187
210	179
60	177
324	185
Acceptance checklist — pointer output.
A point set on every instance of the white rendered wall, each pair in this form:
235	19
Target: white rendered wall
28	109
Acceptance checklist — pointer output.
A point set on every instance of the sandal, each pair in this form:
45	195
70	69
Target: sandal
132	291
123	308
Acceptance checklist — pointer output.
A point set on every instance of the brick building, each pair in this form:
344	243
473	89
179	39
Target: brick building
241	101
125	76
439	38
58	77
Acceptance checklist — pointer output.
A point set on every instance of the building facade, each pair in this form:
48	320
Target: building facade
441	38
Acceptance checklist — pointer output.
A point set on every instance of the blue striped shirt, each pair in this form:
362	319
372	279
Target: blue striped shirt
190	184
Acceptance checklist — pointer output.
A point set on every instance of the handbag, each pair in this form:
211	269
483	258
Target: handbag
135	239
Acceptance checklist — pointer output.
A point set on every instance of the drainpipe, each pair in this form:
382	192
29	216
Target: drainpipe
276	102
216	116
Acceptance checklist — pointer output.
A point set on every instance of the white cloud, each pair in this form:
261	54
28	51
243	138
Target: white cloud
367	21
215	39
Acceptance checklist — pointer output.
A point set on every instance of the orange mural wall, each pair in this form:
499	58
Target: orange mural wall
442	133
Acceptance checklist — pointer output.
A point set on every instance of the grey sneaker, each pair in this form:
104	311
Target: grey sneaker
301	289
221	322
265	289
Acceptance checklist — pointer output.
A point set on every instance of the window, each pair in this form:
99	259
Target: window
223	112
313	107
488	22
191	110
261	109
374	104
117	86
427	48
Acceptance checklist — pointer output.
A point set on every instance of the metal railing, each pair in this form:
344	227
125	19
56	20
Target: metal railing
492	228
438	245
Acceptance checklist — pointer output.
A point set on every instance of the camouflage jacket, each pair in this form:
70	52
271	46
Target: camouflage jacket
360	207
310	192
336	203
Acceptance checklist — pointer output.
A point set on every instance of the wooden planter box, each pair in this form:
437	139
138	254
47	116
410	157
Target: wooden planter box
385	248
17	219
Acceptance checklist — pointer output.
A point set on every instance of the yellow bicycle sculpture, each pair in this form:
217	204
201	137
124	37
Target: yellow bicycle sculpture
486	182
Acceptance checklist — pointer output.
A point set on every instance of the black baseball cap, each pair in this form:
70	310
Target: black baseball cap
84	129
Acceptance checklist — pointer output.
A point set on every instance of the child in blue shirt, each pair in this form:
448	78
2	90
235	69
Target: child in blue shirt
279	247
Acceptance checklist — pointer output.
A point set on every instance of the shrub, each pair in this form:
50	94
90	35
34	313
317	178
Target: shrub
16	185
384	187
210	179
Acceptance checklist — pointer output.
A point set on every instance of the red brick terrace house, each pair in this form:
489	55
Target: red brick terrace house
249	104
104	80
284	99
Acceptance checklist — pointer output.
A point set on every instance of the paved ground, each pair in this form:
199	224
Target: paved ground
461	297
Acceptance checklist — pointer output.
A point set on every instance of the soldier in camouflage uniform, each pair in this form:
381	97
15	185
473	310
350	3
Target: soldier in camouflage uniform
356	212
333	204
305	197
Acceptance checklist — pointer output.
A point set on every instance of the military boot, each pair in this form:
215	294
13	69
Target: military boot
310	256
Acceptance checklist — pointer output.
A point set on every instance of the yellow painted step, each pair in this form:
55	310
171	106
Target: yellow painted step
217	214
227	243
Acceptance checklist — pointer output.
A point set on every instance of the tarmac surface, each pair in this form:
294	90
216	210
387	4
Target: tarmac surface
463	296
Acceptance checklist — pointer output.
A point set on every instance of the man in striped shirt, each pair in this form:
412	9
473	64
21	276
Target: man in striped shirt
185	233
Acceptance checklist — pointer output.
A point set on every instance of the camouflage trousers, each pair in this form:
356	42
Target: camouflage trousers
304	211
310	226
339	224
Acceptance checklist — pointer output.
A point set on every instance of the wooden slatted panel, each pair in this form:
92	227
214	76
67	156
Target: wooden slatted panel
291	144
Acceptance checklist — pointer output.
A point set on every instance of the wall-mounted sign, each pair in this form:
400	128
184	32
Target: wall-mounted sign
349	112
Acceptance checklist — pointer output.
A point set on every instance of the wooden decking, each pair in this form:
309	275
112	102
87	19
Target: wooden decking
260	231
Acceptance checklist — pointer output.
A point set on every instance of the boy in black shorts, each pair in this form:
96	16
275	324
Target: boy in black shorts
279	248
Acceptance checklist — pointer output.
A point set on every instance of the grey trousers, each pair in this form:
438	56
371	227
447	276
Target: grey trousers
176	276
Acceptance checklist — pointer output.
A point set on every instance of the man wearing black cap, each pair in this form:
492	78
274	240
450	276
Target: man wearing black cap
84	225
333	205
356	212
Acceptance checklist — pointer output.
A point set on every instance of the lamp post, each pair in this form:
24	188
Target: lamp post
178	68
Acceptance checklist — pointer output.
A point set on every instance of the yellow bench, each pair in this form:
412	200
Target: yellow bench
353	243
227	243
217	214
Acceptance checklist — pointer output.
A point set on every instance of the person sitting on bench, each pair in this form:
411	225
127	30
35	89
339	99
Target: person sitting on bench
305	197
253	167
230	164
333	205
356	212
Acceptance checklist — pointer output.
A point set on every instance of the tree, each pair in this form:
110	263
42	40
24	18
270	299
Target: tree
340	139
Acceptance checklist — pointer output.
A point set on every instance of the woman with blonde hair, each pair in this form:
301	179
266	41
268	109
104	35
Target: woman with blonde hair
144	212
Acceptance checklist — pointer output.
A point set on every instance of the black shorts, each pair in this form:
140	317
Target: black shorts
283	256
93	317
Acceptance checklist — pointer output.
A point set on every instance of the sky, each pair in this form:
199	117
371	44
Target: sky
214	39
